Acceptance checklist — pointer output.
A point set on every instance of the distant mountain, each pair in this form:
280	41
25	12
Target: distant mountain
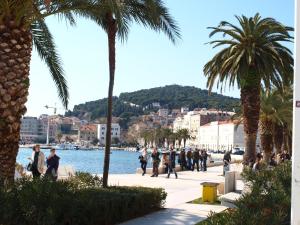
141	102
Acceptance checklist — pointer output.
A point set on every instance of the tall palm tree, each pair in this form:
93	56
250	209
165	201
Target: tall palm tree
253	56
184	135
275	120
115	18
22	25
270	102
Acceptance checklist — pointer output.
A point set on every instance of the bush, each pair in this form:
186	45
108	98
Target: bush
268	203
41	202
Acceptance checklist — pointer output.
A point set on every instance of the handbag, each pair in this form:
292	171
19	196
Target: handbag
53	173
29	167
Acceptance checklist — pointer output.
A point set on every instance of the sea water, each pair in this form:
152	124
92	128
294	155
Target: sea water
121	162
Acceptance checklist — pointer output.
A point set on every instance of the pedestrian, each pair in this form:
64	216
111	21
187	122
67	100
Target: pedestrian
196	157
273	162
189	156
144	160
38	161
226	161
155	162
204	157
182	159
165	162
257	165
285	156
52	165
172	162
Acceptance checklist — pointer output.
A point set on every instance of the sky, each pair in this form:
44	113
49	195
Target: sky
147	59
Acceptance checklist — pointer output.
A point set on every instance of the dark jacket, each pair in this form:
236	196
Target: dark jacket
52	163
155	157
172	159
196	155
227	157
189	154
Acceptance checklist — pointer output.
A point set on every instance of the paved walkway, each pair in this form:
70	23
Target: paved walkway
180	191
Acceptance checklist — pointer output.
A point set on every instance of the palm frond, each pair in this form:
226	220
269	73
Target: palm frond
45	47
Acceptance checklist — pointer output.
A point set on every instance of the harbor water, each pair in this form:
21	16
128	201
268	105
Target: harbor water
121	162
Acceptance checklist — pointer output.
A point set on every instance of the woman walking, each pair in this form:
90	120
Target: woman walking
38	162
172	162
144	160
52	165
155	161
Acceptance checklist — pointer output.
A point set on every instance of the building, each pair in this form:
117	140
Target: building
87	133
193	120
43	126
29	129
163	112
222	135
184	110
101	132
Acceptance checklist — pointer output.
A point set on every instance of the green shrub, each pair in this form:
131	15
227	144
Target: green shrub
41	202
268	203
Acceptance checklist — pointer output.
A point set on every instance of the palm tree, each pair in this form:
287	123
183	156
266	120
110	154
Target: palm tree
253	56
22	25
268	118
115	18
275	115
184	135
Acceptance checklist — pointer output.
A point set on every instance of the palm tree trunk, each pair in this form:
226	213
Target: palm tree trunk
111	33
250	98
15	55
266	139
284	146
277	137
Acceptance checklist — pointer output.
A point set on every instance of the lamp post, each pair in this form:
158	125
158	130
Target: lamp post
295	207
48	122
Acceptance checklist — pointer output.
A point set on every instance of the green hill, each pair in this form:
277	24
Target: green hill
140	102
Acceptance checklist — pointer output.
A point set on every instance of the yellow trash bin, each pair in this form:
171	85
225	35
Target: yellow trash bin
209	192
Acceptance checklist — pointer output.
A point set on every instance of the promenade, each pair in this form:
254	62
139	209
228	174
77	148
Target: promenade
180	191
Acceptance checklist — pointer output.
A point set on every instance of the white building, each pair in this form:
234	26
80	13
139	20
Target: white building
163	112
115	132
193	120
29	129
222	135
184	110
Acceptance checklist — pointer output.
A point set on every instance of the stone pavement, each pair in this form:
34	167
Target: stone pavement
180	191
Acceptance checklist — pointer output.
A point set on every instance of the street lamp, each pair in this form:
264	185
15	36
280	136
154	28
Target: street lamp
48	122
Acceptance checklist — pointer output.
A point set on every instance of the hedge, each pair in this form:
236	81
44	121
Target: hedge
42	202
268	203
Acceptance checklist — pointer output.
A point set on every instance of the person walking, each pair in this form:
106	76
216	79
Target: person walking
196	157
38	161
144	160
226	161
155	161
204	157
257	165
182	159
285	156
52	165
172	162
189	156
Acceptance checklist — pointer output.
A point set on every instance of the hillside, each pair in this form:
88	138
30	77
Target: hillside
141	102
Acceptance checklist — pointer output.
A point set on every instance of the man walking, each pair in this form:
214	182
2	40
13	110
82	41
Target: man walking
172	162
196	157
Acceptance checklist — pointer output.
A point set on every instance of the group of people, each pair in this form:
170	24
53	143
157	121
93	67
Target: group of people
188	160
37	163
274	160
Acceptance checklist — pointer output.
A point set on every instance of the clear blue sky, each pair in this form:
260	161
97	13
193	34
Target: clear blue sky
147	59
